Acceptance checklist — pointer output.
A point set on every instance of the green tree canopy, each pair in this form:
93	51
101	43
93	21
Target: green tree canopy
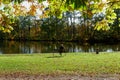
56	7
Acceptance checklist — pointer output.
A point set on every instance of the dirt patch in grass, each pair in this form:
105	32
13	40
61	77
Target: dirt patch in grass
23	76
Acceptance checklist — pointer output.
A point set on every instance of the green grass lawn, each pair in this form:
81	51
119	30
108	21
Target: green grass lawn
87	63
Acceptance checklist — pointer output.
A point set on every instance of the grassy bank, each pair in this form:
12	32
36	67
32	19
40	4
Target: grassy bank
86	63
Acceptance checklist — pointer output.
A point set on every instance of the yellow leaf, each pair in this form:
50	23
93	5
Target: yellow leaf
30	0
1	28
7	30
32	10
10	27
101	6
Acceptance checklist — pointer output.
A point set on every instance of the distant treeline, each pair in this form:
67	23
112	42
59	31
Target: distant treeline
54	29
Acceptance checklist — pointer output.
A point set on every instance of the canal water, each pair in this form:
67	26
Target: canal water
30	47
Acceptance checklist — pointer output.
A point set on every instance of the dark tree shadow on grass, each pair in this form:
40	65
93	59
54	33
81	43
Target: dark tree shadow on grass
54	57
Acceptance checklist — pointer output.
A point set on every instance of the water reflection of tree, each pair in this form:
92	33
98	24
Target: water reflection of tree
10	47
48	47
